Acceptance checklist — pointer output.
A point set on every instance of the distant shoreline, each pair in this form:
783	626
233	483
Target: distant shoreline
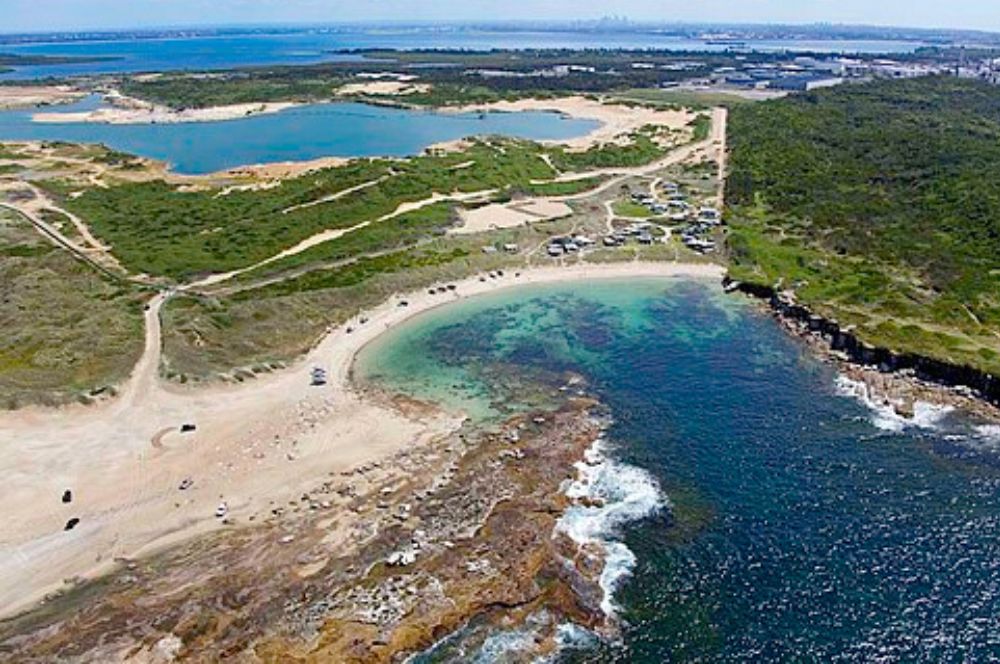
129	111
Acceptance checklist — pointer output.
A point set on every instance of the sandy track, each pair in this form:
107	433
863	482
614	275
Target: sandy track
333	234
256	444
496	216
267	440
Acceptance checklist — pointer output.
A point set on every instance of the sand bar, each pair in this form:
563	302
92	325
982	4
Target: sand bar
25	96
127	110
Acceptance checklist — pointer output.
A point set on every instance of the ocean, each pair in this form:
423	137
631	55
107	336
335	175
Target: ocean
753	508
338	129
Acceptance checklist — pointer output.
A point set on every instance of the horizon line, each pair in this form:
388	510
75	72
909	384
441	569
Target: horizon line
525	22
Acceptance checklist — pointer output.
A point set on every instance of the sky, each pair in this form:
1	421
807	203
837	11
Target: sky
56	15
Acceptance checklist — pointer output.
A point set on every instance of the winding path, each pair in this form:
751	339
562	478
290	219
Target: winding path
125	459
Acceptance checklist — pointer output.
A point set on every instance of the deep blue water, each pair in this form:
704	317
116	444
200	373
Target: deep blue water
308	47
302	133
797	530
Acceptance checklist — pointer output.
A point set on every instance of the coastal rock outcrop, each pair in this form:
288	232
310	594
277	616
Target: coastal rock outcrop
844	340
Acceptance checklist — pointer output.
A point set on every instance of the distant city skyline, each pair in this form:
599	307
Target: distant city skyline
68	15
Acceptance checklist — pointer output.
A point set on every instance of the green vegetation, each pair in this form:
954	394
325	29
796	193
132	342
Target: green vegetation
878	205
390	234
169	231
702	126
560	187
356	272
642	150
259	327
456	76
457	94
625	208
242	87
7	153
66	328
669	98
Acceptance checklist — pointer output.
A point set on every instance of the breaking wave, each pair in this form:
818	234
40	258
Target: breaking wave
609	494
884	416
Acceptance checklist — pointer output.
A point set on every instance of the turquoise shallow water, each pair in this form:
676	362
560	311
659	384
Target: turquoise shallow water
297	134
797	529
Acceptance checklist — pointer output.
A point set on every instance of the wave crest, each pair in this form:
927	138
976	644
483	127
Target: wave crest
884	415
609	495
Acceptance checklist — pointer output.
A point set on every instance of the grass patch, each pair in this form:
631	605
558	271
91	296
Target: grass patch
67	329
624	208
677	99
164	230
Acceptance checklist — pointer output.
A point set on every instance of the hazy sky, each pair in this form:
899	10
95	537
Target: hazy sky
41	15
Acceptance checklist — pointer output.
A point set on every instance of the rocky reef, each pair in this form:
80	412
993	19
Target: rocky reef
899	378
373	565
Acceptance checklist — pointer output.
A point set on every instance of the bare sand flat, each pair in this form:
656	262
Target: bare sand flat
510	215
126	110
17	96
256	445
281	170
390	88
617	120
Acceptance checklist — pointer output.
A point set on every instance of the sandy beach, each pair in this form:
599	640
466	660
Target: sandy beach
127	110
617	120
255	445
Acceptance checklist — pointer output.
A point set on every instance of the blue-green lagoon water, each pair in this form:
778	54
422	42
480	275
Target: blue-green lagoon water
754	511
307	132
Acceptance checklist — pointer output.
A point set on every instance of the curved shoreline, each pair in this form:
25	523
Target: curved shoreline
125	491
614	120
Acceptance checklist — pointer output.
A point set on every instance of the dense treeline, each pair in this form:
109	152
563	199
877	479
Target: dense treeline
881	204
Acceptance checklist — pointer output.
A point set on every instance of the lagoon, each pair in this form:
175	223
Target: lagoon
337	129
793	523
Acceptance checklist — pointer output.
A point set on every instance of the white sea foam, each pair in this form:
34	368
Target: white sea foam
985	439
989	432
571	635
503	645
625	493
884	416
